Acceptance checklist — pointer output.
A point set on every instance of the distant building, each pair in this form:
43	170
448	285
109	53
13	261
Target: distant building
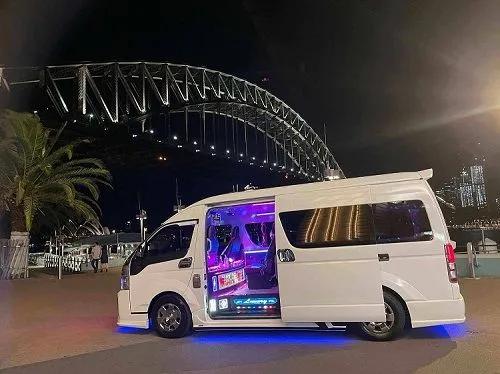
449	192
472	188
467	193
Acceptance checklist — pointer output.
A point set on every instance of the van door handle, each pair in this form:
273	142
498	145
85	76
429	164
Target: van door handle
383	257
185	263
286	255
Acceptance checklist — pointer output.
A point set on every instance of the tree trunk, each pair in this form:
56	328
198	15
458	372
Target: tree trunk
17	219
4	222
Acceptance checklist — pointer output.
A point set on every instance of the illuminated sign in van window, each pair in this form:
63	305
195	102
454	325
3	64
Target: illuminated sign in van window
231	279
256	301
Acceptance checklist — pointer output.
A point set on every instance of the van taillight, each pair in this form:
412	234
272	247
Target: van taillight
450	262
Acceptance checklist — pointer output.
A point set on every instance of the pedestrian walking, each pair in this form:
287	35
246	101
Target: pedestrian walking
95	256
104	259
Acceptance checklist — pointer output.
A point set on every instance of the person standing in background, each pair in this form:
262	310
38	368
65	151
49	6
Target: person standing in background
104	259
95	255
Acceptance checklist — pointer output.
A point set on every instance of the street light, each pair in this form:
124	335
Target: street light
141	217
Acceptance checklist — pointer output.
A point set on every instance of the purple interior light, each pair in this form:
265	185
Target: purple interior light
239	241
255	213
265	203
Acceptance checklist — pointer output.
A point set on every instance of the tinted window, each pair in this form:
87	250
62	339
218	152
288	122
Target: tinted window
329	227
171	242
401	221
259	233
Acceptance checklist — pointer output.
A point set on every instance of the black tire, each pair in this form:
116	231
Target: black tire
385	331
177	321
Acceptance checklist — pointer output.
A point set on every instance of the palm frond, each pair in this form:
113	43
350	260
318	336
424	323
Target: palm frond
44	177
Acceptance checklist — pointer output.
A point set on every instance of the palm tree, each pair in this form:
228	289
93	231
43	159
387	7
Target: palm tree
41	179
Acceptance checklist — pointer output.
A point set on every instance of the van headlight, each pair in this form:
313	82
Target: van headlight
125	278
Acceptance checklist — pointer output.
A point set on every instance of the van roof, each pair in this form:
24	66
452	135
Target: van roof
316	186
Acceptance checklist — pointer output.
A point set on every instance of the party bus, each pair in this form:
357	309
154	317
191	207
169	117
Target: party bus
371	253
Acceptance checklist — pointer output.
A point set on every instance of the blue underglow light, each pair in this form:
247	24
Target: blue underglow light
457	331
453	331
131	330
283	337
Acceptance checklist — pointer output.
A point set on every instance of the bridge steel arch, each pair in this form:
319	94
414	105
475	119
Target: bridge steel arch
117	92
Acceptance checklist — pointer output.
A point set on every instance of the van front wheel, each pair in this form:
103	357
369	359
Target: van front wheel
171	317
393	327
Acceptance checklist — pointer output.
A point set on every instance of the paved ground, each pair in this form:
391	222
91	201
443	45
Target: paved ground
51	326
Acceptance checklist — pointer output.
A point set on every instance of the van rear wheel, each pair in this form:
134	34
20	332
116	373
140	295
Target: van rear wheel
171	317
393	327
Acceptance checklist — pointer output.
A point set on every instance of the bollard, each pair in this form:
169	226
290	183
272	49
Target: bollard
471	262
60	267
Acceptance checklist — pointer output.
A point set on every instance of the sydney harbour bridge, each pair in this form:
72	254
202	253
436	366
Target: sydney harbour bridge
194	108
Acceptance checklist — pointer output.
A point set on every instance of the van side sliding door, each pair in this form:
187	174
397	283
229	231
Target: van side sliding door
328	268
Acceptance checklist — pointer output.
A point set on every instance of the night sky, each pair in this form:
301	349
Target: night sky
400	85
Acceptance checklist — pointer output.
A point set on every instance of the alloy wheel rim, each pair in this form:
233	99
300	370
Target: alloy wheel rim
378	328
169	317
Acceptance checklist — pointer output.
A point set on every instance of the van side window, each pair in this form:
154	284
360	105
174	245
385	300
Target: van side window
259	232
170	243
329	227
401	221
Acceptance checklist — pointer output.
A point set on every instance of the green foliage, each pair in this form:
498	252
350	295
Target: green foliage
41	179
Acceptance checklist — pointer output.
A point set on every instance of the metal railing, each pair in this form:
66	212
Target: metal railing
36	259
478	248
68	263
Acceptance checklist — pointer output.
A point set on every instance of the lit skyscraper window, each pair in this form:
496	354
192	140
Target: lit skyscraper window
472	188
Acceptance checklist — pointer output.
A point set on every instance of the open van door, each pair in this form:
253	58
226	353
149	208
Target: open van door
328	269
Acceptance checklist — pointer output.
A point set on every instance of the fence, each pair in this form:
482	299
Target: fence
68	263
478	248
479	260
484	239
13	259
36	260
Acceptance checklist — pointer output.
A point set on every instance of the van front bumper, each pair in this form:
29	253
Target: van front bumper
125	317
436	312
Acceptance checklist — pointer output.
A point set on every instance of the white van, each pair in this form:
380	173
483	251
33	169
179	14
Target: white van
372	253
